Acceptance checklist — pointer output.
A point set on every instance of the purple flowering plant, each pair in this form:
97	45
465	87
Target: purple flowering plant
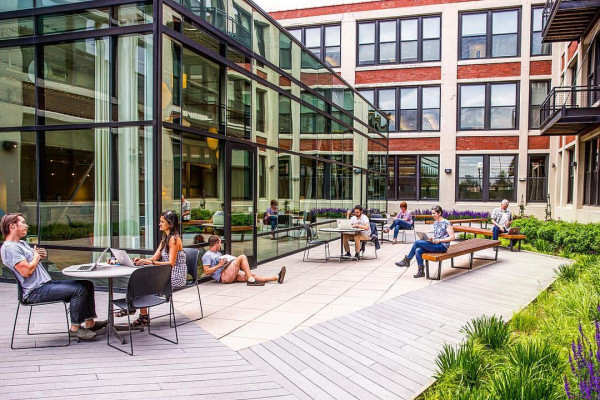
584	358
457	214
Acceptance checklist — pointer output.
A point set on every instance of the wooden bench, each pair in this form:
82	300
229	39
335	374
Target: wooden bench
487	232
464	221
459	249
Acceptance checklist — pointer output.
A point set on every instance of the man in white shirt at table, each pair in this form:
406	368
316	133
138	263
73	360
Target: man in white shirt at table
359	221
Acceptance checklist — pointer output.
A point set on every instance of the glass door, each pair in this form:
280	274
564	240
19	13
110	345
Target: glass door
241	226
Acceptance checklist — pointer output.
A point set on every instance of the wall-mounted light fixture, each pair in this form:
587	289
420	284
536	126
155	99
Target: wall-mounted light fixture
573	164
448	170
521	179
553	165
272	166
9	145
357	170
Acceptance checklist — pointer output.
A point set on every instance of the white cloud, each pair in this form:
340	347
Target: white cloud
280	5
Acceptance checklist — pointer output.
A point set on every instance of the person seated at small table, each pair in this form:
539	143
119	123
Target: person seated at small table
360	221
271	216
403	220
215	265
501	218
25	263
169	252
443	234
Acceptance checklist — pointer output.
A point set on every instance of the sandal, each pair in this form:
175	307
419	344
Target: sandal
143	320
124	313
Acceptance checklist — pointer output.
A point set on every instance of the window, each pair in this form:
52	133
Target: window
261	111
405	40
323	41
594	71
538	93
489	34
415	108
537	178
486	178
537	47
262	177
592	169
285	114
488	106
571	181
285	51
413	177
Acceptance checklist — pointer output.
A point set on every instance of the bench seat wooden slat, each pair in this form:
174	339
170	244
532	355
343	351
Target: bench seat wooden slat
463	221
462	248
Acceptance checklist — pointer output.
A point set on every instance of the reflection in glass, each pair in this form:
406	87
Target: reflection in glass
472	107
285	114
539	91
16	27
537	178
171	81
505	33
366	43
76	84
502	177
285	51
13	5
503	106
92	19
387	42
537	47
134	14
200	97
134	77
429	176
408	109
431	108
17	95
212	11
474	30
238	104
470	177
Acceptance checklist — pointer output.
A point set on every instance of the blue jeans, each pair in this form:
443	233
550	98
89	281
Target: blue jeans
424	246
273	222
79	294
497	231
400	224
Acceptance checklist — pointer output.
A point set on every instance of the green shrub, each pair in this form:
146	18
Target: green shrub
524	384
566	272
523	321
535	354
199	213
463	366
491	332
464	393
241	219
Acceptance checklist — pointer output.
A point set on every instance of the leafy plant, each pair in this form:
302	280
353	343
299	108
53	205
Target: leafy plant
523	321
199	213
523	383
466	365
567	272
491	332
585	366
534	354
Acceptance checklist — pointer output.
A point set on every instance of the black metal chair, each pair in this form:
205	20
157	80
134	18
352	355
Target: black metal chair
148	287
311	242
191	259
374	239
22	303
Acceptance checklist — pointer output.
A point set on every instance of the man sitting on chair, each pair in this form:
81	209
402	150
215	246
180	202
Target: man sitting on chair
361	221
25	263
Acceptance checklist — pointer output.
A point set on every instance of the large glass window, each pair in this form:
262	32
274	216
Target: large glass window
537	178
200	91
285	51
285	114
405	40
490	34
571	180
486	178
17	93
488	106
93	19
238	104
539	91
537	47
134	77
323	41
413	177
16	27
592	171
416	108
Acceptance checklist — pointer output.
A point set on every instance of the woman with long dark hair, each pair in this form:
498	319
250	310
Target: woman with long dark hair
169	252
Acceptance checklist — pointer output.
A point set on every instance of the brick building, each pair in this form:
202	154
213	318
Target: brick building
462	82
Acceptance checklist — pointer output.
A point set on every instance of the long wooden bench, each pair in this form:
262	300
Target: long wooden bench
463	221
489	233
459	249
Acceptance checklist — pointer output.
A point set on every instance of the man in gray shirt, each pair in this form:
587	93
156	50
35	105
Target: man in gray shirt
25	263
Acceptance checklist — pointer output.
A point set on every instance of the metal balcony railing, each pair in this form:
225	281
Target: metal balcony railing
569	97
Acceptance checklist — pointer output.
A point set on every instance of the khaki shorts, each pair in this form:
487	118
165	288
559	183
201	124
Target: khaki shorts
230	273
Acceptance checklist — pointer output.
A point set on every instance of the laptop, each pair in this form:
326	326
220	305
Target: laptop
514	231
344	224
92	266
422	236
123	258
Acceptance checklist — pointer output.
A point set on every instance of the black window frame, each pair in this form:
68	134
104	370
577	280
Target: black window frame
544	178
485	177
594	70
488	106
488	33
571	175
398	53
537	106
322	46
392	181
531	53
398	109
591	180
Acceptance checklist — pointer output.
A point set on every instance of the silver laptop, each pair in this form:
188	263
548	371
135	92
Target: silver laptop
92	266
123	258
422	235
514	231
344	224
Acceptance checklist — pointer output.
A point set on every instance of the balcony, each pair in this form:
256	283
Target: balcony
570	110
566	20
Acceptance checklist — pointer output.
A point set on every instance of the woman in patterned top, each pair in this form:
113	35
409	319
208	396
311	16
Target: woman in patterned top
443	234
169	252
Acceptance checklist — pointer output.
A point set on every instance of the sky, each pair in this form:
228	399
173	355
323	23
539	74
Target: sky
278	5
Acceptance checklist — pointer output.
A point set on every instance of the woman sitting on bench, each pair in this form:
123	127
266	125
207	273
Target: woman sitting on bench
443	234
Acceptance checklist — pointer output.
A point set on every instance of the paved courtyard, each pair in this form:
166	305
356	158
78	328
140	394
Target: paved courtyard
333	330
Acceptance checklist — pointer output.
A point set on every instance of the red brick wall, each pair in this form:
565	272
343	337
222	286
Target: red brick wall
489	70
569	139
399	75
285	144
367	6
538	142
326	144
540	67
572	49
411	144
487	143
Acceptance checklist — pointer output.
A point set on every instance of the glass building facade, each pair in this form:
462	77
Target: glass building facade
113	111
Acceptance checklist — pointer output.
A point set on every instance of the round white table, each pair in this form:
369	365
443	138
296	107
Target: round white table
104	272
341	231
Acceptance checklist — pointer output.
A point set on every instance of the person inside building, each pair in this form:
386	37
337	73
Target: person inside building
404	220
25	263
443	234
501	218
271	216
169	252
186	209
360	221
224	269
